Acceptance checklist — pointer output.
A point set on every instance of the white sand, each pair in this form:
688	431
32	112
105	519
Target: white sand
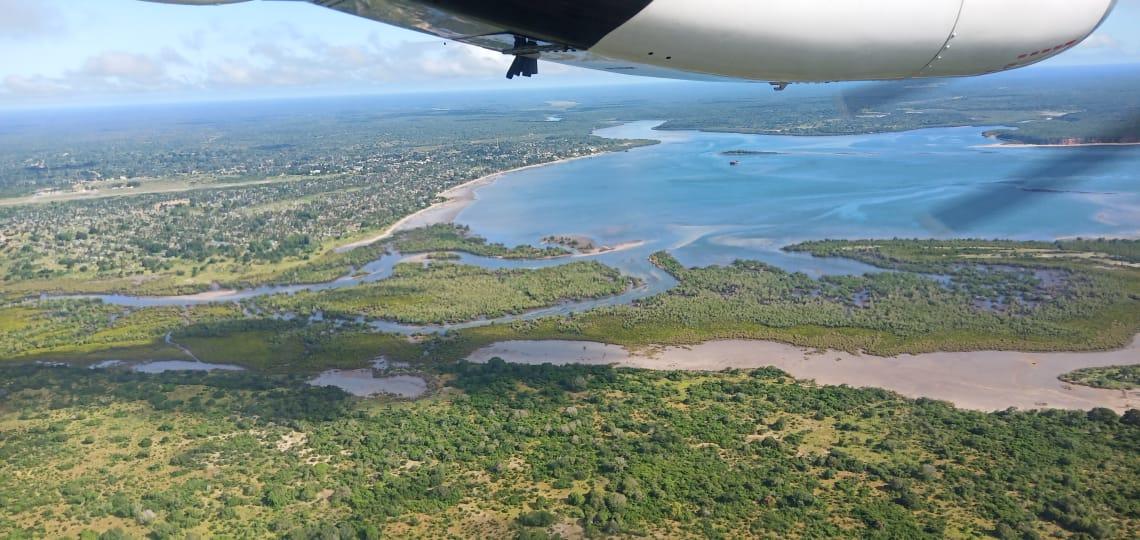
458	198
985	380
624	246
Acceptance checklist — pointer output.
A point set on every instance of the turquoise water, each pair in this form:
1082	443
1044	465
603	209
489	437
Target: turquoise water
683	195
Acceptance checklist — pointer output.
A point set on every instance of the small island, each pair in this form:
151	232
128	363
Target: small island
584	245
1108	377
750	153
448	237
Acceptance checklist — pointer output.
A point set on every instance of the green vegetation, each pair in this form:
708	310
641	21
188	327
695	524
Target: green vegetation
1102	110
580	244
91	330
295	347
448	293
1063	305
451	237
265	202
945	296
1100	125
977	307
956	295
251	195
246	195
934	256
510	451
85	332
1111	377
328	266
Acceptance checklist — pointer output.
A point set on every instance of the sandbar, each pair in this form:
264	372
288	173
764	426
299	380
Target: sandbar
981	380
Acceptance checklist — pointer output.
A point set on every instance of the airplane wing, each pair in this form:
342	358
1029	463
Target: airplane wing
561	31
779	41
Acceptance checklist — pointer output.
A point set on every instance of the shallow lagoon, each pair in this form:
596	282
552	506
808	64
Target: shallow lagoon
366	383
684	195
163	366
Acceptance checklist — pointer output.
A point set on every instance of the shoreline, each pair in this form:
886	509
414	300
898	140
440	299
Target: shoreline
978	380
457	199
1029	145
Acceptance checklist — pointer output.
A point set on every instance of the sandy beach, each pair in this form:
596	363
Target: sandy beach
624	246
457	198
984	380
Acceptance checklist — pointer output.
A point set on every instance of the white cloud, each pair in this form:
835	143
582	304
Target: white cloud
1101	41
137	68
107	72
24	18
280	57
33	85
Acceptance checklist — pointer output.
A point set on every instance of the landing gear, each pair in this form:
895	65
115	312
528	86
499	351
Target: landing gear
524	64
527	51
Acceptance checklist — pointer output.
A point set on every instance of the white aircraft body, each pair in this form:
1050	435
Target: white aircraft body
779	41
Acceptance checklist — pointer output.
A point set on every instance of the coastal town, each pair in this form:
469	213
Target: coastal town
223	224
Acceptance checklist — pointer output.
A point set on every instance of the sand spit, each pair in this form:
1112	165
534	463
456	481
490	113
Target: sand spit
624	246
984	380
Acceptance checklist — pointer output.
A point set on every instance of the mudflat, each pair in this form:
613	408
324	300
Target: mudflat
980	380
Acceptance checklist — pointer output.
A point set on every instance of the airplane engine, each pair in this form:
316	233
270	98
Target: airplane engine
828	40
998	35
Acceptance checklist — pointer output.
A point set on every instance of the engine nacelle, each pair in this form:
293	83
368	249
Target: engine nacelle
993	35
830	40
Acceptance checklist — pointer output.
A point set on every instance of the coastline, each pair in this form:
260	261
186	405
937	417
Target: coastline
457	198
980	380
1028	145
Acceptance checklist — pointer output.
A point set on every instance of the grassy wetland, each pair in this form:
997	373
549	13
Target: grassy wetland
1017	297
442	292
1024	302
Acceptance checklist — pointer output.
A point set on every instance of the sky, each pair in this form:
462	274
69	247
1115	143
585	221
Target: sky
83	52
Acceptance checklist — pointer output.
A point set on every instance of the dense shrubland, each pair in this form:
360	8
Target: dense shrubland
525	451
451	237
